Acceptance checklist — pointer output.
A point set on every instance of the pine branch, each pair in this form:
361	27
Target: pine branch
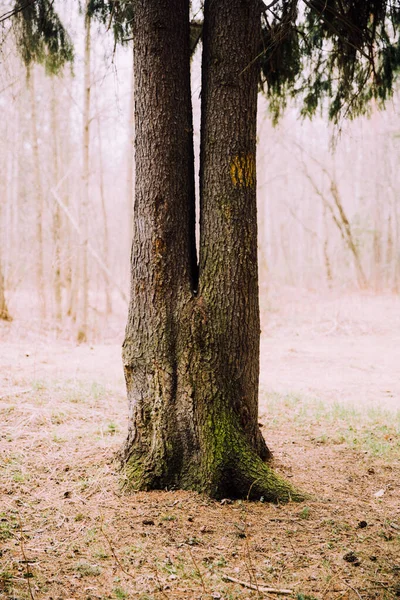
11	13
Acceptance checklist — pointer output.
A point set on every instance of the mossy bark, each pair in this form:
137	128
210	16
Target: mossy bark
191	351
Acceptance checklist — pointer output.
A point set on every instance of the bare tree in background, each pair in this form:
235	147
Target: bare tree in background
103	205
351	240
84	208
38	191
57	241
4	312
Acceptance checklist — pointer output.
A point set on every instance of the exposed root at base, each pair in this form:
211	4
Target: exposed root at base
238	473
258	481
233	469
247	477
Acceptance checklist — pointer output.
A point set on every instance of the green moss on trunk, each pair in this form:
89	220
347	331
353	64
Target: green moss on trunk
232	468
191	352
228	467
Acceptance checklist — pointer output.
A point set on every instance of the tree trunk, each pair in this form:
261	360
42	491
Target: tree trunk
130	173
70	254
4	313
83	329
105	248
191	351
228	207
56	211
40	283
7	168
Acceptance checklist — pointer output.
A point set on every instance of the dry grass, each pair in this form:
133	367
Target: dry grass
68	532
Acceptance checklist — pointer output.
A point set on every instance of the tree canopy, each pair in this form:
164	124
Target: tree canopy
331	55
41	37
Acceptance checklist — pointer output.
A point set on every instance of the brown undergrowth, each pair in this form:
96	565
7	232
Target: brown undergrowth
68	532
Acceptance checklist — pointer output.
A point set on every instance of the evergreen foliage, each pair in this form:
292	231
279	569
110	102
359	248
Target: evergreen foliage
41	37
332	54
116	15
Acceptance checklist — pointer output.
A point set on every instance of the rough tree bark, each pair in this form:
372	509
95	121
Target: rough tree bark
130	172
191	351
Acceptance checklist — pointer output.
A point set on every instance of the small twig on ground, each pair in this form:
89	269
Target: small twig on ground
203	585
264	590
121	566
326	590
160	585
249	563
379	584
28	573
352	589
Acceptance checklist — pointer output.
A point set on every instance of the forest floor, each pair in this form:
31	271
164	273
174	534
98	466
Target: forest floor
330	408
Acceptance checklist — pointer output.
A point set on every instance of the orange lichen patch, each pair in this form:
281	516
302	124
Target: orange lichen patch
159	247
243	170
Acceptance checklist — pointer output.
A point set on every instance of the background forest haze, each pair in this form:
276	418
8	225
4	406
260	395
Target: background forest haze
181	420
328	200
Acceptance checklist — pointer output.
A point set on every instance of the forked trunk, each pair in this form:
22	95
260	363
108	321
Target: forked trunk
191	352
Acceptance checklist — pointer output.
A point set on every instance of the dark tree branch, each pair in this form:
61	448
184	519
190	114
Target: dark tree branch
11	13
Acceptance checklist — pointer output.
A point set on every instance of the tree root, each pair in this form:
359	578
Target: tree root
247	477
232	468
255	480
227	466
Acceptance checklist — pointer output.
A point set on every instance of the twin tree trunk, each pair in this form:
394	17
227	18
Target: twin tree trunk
191	351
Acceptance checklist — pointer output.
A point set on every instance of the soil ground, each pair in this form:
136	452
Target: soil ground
330	409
